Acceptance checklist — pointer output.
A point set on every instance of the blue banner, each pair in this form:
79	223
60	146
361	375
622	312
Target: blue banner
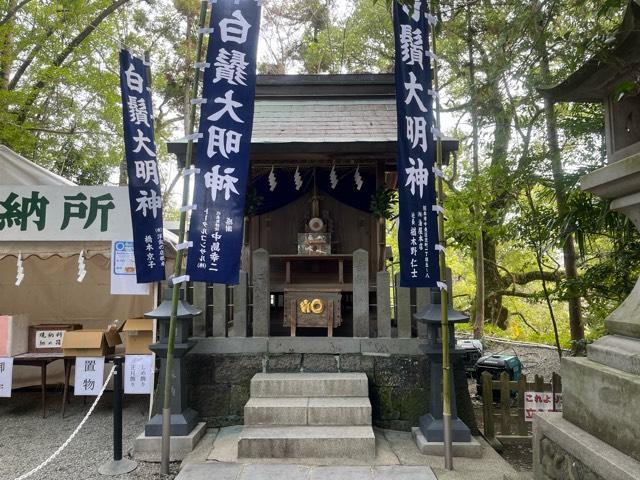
418	228
145	196
222	155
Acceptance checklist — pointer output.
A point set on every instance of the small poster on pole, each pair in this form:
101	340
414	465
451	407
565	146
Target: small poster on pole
138	374
123	270
89	375
6	376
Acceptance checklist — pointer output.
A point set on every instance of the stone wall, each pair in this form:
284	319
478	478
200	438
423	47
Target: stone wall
558	464
398	384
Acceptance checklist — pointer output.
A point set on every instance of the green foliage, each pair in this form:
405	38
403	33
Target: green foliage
384	203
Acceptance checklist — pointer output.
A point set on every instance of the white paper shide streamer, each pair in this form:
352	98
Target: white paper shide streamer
272	180
333	177
82	272
358	179
297	179
20	272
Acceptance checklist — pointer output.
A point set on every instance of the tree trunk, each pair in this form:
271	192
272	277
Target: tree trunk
478	322
568	247
6	49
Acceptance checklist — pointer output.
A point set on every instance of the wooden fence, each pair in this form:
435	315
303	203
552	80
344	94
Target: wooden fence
505	419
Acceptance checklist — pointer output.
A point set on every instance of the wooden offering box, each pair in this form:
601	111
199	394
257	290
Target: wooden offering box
316	308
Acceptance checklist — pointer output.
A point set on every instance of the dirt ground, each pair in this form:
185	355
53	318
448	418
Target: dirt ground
536	360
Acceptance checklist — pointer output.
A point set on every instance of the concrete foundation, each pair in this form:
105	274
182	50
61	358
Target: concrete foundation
148	449
471	449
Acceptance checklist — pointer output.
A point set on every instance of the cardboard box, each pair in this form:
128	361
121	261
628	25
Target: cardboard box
48	337
138	335
91	343
14	335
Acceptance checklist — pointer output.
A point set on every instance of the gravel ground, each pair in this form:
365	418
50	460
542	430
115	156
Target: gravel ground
26	439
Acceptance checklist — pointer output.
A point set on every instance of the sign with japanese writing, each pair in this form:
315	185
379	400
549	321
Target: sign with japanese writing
145	196
6	376
418	231
541	402
89	375
59	213
123	270
138	374
222	155
49	338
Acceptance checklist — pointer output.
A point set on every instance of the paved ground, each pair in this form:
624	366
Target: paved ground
395	451
26	439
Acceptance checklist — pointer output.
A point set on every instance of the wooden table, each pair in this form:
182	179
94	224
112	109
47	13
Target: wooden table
41	360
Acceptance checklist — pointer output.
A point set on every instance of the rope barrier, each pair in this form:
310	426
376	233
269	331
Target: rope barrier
75	432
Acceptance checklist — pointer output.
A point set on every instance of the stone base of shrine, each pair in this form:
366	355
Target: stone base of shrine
562	450
219	372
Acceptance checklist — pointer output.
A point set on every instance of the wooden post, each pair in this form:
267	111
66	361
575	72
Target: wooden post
360	293
200	301
522	388
261	293
383	304
239	327
505	397
423	298
403	309
487	405
219	310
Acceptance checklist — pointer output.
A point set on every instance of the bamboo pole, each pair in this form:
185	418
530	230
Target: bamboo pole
444	297
186	194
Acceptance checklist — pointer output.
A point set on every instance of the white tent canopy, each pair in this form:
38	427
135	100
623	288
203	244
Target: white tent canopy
50	292
17	170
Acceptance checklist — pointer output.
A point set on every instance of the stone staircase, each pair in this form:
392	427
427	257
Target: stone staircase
308	415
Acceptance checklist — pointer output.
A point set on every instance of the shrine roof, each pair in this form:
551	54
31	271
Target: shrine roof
618	61
324	114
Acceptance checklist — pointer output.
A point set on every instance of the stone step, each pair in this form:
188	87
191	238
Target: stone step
276	411
307	442
307	411
339	411
309	385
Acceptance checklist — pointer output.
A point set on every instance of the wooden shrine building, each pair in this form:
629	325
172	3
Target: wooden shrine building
310	130
317	291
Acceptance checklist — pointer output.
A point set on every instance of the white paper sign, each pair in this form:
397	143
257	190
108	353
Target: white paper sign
6	376
89	375
58	213
541	402
138	374
123	270
49	338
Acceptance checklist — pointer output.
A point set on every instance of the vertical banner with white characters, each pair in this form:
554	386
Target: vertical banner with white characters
6	376
138	374
222	155
418	229
145	196
89	375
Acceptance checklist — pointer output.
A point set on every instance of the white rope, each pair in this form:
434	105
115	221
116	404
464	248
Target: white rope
75	432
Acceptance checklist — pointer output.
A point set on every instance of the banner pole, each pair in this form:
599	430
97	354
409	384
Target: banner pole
444	296
166	410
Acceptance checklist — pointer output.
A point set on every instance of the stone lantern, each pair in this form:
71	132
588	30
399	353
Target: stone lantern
431	424
597	433
183	418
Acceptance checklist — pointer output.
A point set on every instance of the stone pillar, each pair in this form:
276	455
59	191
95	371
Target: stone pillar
219	310
261	293
200	301
403	309
383	304
239	327
360	293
